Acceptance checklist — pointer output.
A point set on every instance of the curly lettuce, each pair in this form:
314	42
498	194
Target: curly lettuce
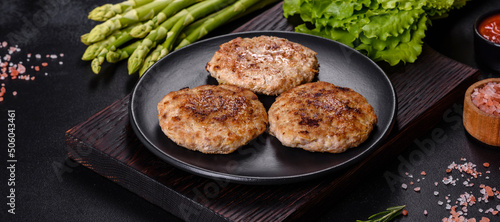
385	30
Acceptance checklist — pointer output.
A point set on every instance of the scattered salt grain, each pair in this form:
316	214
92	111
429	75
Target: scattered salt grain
404	212
416	189
490	210
21	68
12	50
440	203
425	212
436	193
468	184
404	186
484	219
12	68
449	180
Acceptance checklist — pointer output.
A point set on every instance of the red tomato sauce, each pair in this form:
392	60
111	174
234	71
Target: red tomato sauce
490	28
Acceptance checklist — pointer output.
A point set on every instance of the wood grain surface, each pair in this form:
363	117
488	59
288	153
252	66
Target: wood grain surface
106	144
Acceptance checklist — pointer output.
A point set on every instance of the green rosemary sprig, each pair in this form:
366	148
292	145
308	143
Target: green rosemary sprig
385	216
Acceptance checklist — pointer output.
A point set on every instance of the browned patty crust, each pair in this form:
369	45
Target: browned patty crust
265	64
321	117
212	119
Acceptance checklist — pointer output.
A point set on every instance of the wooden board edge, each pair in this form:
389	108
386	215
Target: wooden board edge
138	183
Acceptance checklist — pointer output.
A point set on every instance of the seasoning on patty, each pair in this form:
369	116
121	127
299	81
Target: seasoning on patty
321	117
266	64
212	119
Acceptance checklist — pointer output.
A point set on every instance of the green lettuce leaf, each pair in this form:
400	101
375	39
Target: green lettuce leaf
385	30
405	48
390	23
401	4
291	7
336	34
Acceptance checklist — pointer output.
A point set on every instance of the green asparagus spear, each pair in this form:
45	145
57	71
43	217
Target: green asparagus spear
83	39
120	40
159	34
162	50
94	49
174	7
192	27
107	11
223	17
171	23
133	16
121	54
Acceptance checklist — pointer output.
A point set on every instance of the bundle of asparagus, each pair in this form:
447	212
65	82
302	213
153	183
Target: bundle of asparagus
144	31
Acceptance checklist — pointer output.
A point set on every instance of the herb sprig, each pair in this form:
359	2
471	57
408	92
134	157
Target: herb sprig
385	216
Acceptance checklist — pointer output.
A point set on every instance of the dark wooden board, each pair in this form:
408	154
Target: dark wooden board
106	144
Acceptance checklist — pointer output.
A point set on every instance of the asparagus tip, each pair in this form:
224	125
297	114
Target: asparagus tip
101	13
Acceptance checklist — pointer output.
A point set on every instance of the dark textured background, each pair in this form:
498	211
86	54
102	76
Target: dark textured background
50	187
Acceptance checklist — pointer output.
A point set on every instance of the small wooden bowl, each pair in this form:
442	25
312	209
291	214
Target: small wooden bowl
479	124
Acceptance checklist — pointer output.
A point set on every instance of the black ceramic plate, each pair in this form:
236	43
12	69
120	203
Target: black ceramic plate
264	160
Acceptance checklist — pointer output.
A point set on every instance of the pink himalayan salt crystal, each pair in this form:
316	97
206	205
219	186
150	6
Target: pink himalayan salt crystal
487	98
21	68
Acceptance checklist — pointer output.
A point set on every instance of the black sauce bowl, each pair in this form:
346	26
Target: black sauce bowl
487	53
